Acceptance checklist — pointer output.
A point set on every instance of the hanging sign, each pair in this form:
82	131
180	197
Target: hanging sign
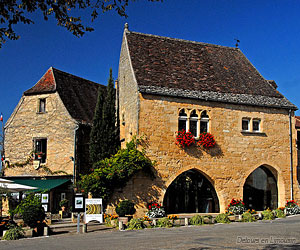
93	210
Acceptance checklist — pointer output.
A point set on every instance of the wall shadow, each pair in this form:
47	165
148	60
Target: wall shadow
197	152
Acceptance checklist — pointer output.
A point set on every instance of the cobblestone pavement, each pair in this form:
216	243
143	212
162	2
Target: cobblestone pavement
277	234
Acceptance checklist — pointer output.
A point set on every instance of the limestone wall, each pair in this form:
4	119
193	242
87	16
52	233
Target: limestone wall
227	166
237	154
128	95
26	123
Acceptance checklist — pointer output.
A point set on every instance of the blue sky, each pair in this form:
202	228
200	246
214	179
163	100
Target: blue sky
268	31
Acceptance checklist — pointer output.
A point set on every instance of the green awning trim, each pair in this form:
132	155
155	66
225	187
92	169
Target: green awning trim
42	185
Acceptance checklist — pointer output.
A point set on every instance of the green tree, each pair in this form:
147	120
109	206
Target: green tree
104	139
13	12
97	132
114	172
111	140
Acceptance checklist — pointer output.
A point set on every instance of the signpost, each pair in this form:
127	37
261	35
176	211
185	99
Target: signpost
93	210
78	205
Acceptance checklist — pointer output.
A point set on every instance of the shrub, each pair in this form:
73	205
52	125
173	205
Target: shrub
164	222
32	215
125	207
236	207
222	218
155	210
248	217
279	213
14	233
135	224
268	215
31	210
114	172
196	220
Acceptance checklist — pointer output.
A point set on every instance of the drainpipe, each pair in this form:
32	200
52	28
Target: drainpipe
291	153
74	158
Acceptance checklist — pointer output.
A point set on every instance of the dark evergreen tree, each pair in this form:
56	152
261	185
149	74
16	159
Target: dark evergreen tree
112	140
105	139
97	133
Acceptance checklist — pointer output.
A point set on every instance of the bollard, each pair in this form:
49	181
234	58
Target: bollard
84	228
186	221
154	222
121	226
46	231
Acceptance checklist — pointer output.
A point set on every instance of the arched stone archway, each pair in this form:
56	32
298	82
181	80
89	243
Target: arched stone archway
191	192
260	189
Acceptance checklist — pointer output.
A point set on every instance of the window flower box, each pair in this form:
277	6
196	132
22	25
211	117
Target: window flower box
184	138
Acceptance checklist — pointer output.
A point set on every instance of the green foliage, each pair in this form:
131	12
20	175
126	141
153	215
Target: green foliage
279	213
14	233
135	224
248	217
268	215
14	12
222	218
164	222
111	131
196	220
125	207
31	210
104	137
97	133
114	172
63	203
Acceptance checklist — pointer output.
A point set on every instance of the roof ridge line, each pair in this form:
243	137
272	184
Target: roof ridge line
182	40
66	73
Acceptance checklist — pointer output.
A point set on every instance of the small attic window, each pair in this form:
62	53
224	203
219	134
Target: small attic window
42	105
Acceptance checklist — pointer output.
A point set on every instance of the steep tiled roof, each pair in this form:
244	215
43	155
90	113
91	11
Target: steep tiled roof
78	95
174	67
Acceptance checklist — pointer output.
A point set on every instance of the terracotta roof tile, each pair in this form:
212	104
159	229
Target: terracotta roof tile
186	66
78	95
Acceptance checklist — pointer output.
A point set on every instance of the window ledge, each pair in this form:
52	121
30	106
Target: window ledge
41	113
258	133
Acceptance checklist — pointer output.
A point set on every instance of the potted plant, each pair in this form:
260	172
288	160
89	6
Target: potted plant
39	155
155	210
63	204
125	210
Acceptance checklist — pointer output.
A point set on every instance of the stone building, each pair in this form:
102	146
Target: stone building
297	127
47	135
166	85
